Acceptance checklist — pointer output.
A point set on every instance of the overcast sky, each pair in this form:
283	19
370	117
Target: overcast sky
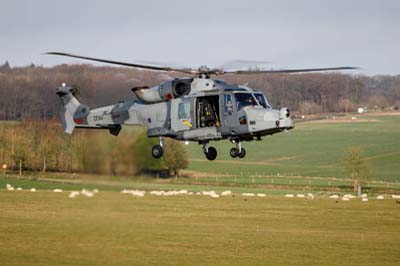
291	34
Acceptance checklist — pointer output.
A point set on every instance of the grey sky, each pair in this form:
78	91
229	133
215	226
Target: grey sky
302	33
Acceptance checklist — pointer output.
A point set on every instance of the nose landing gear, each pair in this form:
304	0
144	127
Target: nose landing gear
237	151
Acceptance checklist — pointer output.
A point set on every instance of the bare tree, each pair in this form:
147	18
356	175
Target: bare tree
356	165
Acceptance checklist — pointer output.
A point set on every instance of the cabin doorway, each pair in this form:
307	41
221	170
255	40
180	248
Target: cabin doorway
208	113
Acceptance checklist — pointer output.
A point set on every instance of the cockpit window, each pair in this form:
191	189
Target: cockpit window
244	99
261	99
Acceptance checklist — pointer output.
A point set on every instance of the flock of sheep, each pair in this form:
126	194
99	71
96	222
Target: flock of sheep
212	194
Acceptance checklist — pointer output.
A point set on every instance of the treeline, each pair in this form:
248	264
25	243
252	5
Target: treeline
43	146
29	92
326	92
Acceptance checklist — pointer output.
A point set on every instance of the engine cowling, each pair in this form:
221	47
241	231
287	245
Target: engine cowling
166	91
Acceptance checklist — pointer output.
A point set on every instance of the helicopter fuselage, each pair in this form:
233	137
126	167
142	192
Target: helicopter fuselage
199	110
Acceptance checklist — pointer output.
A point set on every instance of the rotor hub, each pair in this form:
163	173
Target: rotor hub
203	72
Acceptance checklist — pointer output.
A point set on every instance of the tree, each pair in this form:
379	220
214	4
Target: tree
142	154
21	153
3	143
345	106
5	66
377	102
176	156
45	149
356	165
310	108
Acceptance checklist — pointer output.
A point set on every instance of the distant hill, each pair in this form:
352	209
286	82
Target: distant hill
29	92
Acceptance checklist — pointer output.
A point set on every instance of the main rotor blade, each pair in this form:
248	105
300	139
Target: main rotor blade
235	65
288	70
143	66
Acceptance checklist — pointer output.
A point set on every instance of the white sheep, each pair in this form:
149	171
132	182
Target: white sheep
310	196
248	194
57	190
300	195
334	196
226	193
19	189
364	195
157	193
364	200
87	193
9	187
32	189
136	193
395	196
348	197
212	194
261	195
289	196
171	193
380	197
73	194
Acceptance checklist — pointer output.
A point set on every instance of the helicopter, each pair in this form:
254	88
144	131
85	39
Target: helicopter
195	108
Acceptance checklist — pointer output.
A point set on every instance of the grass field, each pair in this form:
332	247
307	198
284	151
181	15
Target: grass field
46	228
313	149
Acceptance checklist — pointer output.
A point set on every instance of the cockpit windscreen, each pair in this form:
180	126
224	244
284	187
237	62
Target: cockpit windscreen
261	99
244	99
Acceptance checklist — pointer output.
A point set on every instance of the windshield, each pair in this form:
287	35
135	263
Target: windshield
261	99
244	99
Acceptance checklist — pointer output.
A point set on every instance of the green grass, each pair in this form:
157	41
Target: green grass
46	228
312	149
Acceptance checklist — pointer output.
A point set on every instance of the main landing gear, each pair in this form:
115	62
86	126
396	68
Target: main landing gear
237	151
157	151
210	152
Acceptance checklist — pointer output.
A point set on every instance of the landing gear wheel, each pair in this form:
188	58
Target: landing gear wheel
211	155
233	152
242	153
157	151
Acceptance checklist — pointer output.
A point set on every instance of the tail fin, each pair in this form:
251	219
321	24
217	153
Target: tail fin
73	112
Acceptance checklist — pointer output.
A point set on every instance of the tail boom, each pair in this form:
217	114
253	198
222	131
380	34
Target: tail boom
112	117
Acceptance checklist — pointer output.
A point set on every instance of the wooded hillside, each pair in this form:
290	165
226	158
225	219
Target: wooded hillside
29	92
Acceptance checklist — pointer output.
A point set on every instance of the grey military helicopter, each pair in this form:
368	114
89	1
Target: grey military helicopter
196	108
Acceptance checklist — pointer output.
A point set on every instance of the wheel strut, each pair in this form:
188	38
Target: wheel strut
162	142
239	146
205	147
238	151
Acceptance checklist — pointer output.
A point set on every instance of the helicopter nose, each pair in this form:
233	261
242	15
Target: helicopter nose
285	121
265	121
